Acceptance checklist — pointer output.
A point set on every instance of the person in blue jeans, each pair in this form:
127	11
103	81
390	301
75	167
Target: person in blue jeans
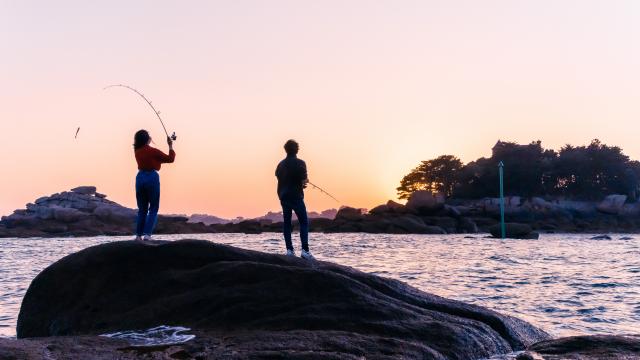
149	161
292	180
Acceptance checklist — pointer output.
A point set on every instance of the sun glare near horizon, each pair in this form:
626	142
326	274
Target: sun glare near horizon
368	89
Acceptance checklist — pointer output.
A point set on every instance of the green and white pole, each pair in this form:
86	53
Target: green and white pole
502	226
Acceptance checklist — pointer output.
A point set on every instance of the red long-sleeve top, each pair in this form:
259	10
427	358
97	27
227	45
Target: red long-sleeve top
149	158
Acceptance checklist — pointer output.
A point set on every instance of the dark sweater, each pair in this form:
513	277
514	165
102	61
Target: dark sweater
291	173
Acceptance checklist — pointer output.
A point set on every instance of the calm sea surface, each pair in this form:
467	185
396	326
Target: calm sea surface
565	284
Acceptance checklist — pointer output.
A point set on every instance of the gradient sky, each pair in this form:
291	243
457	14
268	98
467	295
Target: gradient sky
369	89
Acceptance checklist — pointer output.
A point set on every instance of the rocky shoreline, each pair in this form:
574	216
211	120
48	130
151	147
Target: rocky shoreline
243	304
84	212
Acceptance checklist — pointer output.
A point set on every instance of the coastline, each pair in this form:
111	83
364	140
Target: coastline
84	212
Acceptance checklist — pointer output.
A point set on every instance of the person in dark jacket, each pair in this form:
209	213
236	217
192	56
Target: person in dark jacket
149	161
292	180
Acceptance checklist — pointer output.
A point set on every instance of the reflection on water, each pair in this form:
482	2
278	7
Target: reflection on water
566	284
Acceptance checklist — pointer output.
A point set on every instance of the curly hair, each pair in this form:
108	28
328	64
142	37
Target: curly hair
291	147
140	139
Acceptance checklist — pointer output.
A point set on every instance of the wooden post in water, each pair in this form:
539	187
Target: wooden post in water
502	226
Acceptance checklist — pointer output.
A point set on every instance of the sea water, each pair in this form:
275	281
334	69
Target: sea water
565	284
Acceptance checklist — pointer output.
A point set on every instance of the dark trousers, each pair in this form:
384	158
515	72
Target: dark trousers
148	199
300	209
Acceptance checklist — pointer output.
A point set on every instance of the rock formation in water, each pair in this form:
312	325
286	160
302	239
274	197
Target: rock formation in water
289	304
83	212
601	347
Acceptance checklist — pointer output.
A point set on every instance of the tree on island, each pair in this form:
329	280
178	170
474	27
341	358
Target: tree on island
436	175
577	172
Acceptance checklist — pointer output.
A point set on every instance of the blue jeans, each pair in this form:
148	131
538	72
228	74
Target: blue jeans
148	199
300	209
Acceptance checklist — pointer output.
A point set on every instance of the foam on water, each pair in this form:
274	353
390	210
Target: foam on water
160	335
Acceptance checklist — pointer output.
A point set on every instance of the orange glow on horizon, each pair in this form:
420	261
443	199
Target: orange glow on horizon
369	90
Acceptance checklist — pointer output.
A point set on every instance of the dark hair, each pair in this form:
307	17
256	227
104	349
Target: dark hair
291	147
140	139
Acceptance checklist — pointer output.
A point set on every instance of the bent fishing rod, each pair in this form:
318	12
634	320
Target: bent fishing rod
173	136
322	191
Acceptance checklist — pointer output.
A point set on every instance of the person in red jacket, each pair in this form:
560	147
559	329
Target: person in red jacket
149	161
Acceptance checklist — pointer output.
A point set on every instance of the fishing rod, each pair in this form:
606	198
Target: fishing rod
322	191
173	136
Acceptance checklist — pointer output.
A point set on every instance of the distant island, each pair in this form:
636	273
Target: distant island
586	189
588	172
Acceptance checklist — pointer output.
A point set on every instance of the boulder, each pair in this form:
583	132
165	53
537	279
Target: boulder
250	227
425	202
452	211
396	207
19	219
349	214
41	200
445	222
468	226
44	212
380	210
595	347
85	190
410	223
271	301
514	231
67	215
123	215
390	208
612	204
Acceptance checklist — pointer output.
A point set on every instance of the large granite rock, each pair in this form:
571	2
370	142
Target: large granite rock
612	204
84	212
425	202
280	302
601	347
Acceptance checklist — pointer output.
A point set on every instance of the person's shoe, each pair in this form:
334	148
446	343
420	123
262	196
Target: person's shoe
290	252
146	238
138	238
306	255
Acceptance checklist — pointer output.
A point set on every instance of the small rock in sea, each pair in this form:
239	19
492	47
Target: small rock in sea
626	238
601	237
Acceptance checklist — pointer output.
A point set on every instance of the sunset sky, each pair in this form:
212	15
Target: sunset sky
368	88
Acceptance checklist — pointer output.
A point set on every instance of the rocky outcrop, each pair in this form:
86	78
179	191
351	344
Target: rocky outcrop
284	302
308	345
425	202
601	347
84	212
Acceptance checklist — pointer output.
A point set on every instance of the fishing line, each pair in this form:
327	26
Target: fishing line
322	191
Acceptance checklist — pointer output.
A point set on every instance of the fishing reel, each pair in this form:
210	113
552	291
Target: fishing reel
173	136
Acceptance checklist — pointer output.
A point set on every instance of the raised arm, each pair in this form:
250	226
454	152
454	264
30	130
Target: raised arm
164	158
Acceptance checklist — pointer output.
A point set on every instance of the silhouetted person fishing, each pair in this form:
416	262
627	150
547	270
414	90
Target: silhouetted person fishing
292	180
149	161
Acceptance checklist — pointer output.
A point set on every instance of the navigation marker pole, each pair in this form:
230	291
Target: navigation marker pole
502	226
